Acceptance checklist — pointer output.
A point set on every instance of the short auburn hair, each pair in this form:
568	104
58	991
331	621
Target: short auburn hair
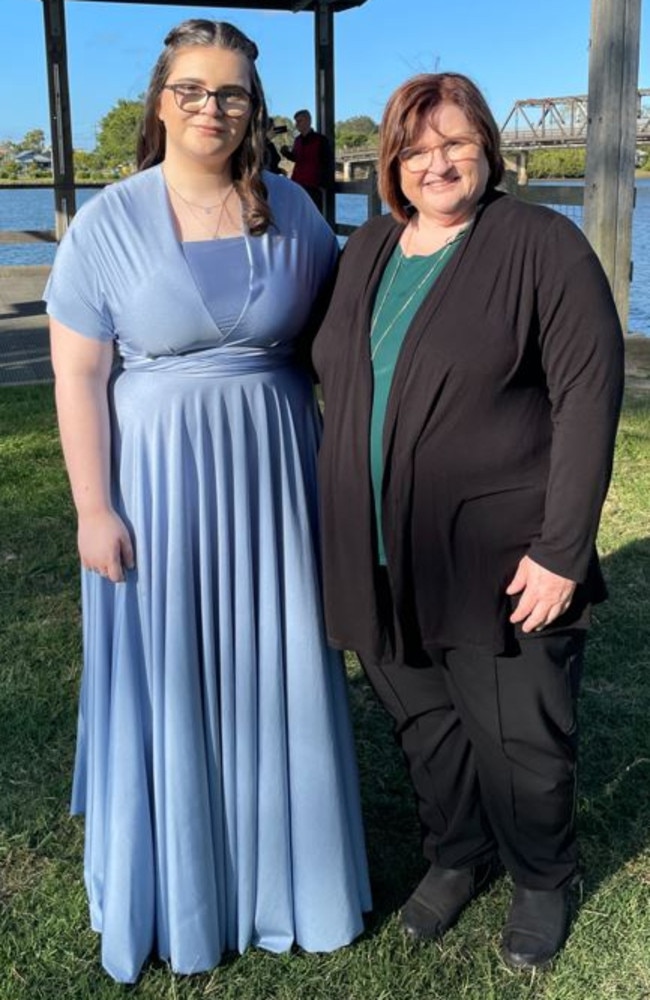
406	113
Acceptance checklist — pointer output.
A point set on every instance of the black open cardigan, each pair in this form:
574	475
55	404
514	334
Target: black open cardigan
498	438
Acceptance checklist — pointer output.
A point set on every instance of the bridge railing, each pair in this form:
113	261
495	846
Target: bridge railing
519	138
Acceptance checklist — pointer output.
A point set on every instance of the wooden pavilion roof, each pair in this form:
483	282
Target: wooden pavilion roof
292	6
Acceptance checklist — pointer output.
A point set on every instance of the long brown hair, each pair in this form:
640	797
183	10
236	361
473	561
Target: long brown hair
247	160
408	109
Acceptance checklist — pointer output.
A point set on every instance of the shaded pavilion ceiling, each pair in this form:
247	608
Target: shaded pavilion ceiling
292	6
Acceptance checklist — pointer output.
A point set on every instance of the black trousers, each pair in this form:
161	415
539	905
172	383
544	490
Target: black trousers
491	746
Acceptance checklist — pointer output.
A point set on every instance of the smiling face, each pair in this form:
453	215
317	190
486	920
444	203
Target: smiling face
206	136
447	190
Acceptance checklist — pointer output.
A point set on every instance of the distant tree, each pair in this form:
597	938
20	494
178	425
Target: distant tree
118	132
354	132
7	149
569	163
36	171
9	170
86	165
32	140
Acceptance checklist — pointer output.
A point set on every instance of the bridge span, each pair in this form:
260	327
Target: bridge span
535	123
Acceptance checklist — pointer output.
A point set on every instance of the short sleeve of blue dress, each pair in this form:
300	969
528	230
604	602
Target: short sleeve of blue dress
73	292
121	271
215	763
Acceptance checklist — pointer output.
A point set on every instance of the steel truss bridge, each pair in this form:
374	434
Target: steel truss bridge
560	121
538	123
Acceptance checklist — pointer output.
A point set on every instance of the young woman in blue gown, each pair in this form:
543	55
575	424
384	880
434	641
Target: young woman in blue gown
215	763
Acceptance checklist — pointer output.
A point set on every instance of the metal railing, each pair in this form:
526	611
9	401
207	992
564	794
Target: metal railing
557	195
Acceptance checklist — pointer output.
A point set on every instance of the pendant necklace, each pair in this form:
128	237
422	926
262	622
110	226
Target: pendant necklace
440	257
205	209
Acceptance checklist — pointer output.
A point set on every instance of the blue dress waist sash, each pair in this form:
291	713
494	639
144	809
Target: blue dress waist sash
214	361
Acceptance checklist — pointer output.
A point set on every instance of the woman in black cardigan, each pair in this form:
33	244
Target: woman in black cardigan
471	364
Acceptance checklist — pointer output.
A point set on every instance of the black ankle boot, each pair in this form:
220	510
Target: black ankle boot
441	897
536	928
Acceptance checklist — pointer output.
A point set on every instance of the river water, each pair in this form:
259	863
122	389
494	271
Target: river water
34	209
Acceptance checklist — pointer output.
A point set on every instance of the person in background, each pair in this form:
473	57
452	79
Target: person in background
272	157
215	762
312	158
471	362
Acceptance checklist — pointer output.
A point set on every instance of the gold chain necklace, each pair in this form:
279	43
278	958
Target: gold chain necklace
440	257
207	209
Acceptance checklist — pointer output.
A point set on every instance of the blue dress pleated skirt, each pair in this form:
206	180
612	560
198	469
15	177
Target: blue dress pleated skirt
215	761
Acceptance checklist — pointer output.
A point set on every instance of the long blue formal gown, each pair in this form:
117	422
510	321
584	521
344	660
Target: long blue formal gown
215	762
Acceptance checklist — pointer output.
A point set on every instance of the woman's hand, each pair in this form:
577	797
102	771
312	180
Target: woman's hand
105	545
544	595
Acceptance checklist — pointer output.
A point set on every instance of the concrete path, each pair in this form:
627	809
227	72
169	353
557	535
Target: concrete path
24	344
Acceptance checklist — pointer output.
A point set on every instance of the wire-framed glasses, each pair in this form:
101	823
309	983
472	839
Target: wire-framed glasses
234	102
418	158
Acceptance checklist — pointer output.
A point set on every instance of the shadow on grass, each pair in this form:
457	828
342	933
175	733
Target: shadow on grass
614	805
390	815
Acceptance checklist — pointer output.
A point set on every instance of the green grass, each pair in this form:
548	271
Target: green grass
47	951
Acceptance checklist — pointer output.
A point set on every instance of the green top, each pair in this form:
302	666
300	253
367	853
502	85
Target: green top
402	289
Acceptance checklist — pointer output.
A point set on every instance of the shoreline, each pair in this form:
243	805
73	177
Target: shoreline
38	182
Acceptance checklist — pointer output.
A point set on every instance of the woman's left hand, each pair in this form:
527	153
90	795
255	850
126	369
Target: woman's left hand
543	595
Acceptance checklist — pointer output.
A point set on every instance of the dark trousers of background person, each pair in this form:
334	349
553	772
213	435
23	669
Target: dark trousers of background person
491	743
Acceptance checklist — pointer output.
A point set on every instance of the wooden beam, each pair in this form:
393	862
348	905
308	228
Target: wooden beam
60	124
324	57
611	140
291	6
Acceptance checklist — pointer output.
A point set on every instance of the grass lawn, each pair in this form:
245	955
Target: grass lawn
47	951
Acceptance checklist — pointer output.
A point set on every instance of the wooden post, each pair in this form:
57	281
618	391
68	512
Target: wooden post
61	131
324	44
611	140
522	167
374	201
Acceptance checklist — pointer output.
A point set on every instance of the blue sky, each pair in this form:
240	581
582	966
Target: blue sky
513	51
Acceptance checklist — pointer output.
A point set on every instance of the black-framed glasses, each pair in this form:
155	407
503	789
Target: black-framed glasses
234	102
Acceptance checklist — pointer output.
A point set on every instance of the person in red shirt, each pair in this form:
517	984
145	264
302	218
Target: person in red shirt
311	155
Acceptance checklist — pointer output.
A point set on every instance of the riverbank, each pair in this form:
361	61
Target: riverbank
99	180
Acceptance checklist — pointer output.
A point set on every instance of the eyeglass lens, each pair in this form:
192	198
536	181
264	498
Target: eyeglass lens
231	101
415	158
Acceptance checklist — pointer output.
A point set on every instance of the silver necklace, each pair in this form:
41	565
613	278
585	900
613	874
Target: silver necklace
206	209
440	257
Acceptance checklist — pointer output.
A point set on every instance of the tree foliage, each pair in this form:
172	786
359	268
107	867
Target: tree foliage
34	140
567	163
86	165
9	170
118	133
356	132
